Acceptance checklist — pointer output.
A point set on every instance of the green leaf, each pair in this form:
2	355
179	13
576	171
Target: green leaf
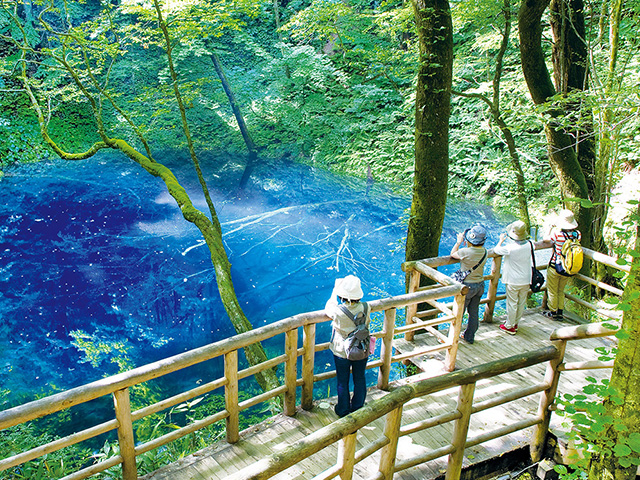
625	462
621	450
561	469
617	400
620	427
634	442
622	335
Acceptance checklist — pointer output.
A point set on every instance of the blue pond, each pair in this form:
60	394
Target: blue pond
97	251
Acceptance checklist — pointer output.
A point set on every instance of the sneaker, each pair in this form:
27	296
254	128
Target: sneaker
549	313
510	331
464	340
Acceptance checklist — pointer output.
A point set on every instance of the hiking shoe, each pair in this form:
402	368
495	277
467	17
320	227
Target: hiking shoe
510	331
549	313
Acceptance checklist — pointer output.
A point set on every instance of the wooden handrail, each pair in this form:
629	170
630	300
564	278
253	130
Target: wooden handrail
428	267
347	426
577	332
75	396
392	404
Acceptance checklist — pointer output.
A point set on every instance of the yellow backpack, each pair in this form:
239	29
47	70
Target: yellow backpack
571	256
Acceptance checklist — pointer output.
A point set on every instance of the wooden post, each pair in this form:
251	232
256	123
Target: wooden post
231	396
126	440
541	431
493	289
308	361
454	333
347	456
460	430
290	371
414	283
389	451
386	349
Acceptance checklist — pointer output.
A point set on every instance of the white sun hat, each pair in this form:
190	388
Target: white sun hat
517	230
349	288
566	220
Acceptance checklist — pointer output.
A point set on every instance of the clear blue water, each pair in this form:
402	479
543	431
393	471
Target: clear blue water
99	247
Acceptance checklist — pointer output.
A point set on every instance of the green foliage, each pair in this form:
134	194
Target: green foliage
21	142
337	92
52	465
97	350
590	426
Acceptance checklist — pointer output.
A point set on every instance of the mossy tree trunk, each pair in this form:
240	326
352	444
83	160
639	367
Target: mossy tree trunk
94	93
433	106
609	137
625	380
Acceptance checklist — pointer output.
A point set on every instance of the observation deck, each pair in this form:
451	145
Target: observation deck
226	461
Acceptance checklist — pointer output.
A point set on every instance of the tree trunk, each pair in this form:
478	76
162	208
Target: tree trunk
625	379
609	137
251	147
211	230
494	108
433	100
560	144
570	59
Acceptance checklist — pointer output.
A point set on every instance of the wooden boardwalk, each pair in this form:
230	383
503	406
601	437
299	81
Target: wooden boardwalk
221	460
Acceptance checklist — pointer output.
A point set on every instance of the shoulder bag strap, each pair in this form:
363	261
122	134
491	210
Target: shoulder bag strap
481	260
533	257
352	317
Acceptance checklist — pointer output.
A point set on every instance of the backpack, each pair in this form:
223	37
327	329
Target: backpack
356	345
571	257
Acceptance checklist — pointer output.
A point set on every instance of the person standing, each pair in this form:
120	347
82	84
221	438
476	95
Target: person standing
472	257
347	293
516	272
566	227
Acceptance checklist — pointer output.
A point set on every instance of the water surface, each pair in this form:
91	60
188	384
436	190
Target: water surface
97	253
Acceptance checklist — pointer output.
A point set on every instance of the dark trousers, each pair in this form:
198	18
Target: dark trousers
471	305
344	368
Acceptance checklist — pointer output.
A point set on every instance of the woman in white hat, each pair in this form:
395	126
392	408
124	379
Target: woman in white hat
347	293
472	258
516	272
566	227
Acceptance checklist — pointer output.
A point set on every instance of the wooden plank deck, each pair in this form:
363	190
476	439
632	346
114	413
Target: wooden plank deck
223	459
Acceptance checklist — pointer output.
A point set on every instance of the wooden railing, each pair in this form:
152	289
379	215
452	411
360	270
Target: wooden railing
345	430
299	326
428	267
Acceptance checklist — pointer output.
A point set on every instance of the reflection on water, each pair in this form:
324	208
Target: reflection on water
98	264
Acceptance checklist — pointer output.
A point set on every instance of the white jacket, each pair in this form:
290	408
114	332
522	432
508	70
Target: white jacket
517	263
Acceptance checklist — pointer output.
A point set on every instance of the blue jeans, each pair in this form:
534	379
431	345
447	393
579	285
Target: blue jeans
471	305
344	368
